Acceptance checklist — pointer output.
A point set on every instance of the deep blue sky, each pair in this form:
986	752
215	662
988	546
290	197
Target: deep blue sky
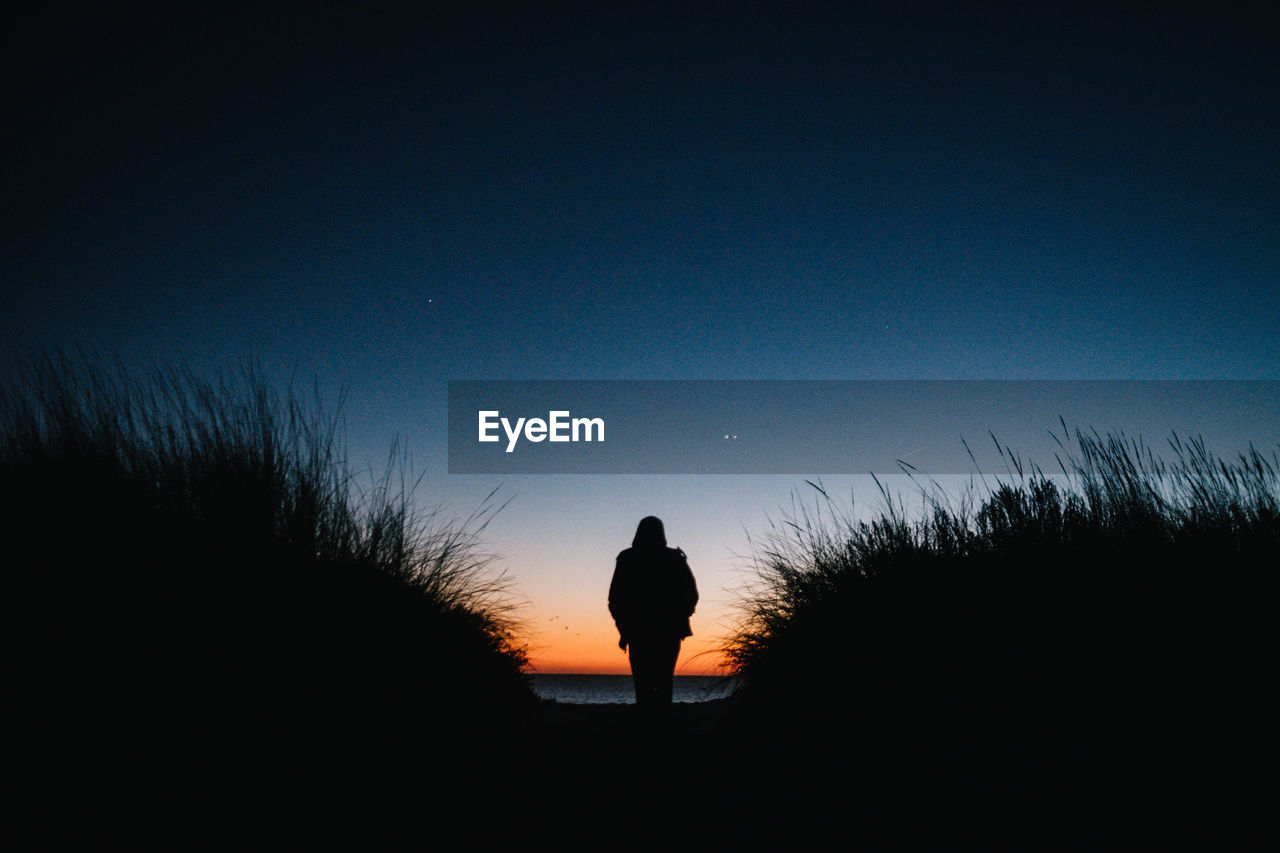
564	191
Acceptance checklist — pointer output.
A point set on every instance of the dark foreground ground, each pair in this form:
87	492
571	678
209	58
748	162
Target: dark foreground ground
588	731
755	780
587	776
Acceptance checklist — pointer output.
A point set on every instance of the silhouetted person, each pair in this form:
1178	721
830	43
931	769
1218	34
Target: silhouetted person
651	598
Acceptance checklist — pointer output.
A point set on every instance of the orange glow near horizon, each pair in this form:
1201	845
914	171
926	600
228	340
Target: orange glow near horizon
560	546
597	653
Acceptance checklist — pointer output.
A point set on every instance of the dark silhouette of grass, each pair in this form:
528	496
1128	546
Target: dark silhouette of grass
1109	635
196	591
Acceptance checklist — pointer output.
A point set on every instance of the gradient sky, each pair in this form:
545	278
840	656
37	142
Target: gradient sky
642	191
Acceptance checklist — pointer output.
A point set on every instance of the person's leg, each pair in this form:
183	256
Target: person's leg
665	671
647	682
642	672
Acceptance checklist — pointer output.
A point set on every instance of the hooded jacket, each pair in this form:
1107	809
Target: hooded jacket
653	592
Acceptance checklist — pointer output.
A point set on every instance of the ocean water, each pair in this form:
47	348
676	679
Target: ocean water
617	689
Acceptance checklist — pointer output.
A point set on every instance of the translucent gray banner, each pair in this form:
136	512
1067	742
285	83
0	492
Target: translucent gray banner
819	427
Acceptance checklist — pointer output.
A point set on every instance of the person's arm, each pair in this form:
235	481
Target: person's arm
690	585
618	601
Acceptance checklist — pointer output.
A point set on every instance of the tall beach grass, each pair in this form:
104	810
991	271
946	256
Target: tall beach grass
196	587
1112	627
